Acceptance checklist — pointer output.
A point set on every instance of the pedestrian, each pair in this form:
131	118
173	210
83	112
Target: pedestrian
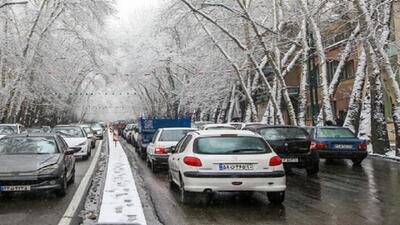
115	137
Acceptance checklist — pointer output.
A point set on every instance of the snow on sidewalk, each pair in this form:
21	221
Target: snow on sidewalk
121	203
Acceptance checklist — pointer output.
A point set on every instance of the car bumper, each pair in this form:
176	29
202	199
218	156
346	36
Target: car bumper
231	181
34	183
161	160
303	161
340	154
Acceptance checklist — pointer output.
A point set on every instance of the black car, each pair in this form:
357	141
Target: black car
36	162
292	144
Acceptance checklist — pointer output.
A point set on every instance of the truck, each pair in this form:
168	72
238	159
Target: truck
149	126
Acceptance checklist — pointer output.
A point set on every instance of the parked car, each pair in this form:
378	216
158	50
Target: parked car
98	131
89	134
218	127
75	138
292	144
36	162
10	129
338	143
210	161
158	149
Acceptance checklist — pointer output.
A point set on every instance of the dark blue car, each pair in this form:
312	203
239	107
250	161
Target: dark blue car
337	143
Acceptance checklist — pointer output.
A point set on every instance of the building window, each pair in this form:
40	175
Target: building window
347	71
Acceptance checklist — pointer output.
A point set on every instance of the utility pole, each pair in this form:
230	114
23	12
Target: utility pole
312	78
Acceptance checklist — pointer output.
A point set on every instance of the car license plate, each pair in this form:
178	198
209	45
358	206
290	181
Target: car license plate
344	146
226	166
290	160
15	188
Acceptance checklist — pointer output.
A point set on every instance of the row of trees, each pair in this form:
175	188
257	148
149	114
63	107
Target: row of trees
218	55
49	49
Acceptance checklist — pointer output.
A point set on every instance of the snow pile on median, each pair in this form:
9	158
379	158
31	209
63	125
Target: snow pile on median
121	203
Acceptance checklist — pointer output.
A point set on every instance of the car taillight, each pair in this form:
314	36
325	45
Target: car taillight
192	161
318	146
275	161
160	151
362	146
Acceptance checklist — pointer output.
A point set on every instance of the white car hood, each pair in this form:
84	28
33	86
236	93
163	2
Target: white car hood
73	142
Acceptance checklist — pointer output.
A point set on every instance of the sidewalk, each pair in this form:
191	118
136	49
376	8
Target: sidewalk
121	203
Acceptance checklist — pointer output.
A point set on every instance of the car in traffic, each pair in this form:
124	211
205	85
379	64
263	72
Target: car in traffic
98	130
210	161
75	138
37	162
292	144
90	134
218	127
338	143
128	130
158	149
10	129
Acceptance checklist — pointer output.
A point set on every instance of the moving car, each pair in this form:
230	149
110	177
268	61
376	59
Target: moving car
158	149
10	129
218	127
36	162
338	143
75	138
128	131
292	144
98	130
225	161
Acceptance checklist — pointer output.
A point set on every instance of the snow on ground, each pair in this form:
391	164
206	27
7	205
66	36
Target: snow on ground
121	203
391	155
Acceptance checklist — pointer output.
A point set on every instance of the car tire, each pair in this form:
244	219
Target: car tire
185	197
86	157
153	166
63	190
357	162
276	198
313	168
171	182
72	178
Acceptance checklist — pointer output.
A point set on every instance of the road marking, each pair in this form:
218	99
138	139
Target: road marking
81	191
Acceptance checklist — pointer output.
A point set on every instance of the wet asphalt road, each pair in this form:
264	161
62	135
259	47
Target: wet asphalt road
340	194
40	208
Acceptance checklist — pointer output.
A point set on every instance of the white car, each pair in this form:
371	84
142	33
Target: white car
158	149
10	129
75	138
204	162
218	127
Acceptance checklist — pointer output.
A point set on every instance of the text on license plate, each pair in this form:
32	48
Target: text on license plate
15	188
290	160
226	166
344	146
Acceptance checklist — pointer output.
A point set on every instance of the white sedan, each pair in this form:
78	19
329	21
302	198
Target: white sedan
76	139
204	162
158	149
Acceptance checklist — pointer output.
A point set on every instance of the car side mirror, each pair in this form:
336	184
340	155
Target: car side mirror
89	136
71	151
173	149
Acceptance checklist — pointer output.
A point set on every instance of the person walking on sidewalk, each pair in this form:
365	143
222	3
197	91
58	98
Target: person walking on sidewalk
115	137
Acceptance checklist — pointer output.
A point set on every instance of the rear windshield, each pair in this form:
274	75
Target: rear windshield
283	133
69	132
335	133
173	135
231	145
27	145
8	130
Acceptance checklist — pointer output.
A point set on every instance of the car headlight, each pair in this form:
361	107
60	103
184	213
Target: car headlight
82	144
49	169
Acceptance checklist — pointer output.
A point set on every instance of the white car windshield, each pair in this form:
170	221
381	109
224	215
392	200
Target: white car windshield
69	132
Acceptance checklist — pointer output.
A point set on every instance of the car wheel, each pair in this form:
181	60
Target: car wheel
313	168
185	197
171	182
63	190
357	162
72	178
276	198
153	167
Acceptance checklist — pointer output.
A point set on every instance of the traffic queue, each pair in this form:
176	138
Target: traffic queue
203	158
